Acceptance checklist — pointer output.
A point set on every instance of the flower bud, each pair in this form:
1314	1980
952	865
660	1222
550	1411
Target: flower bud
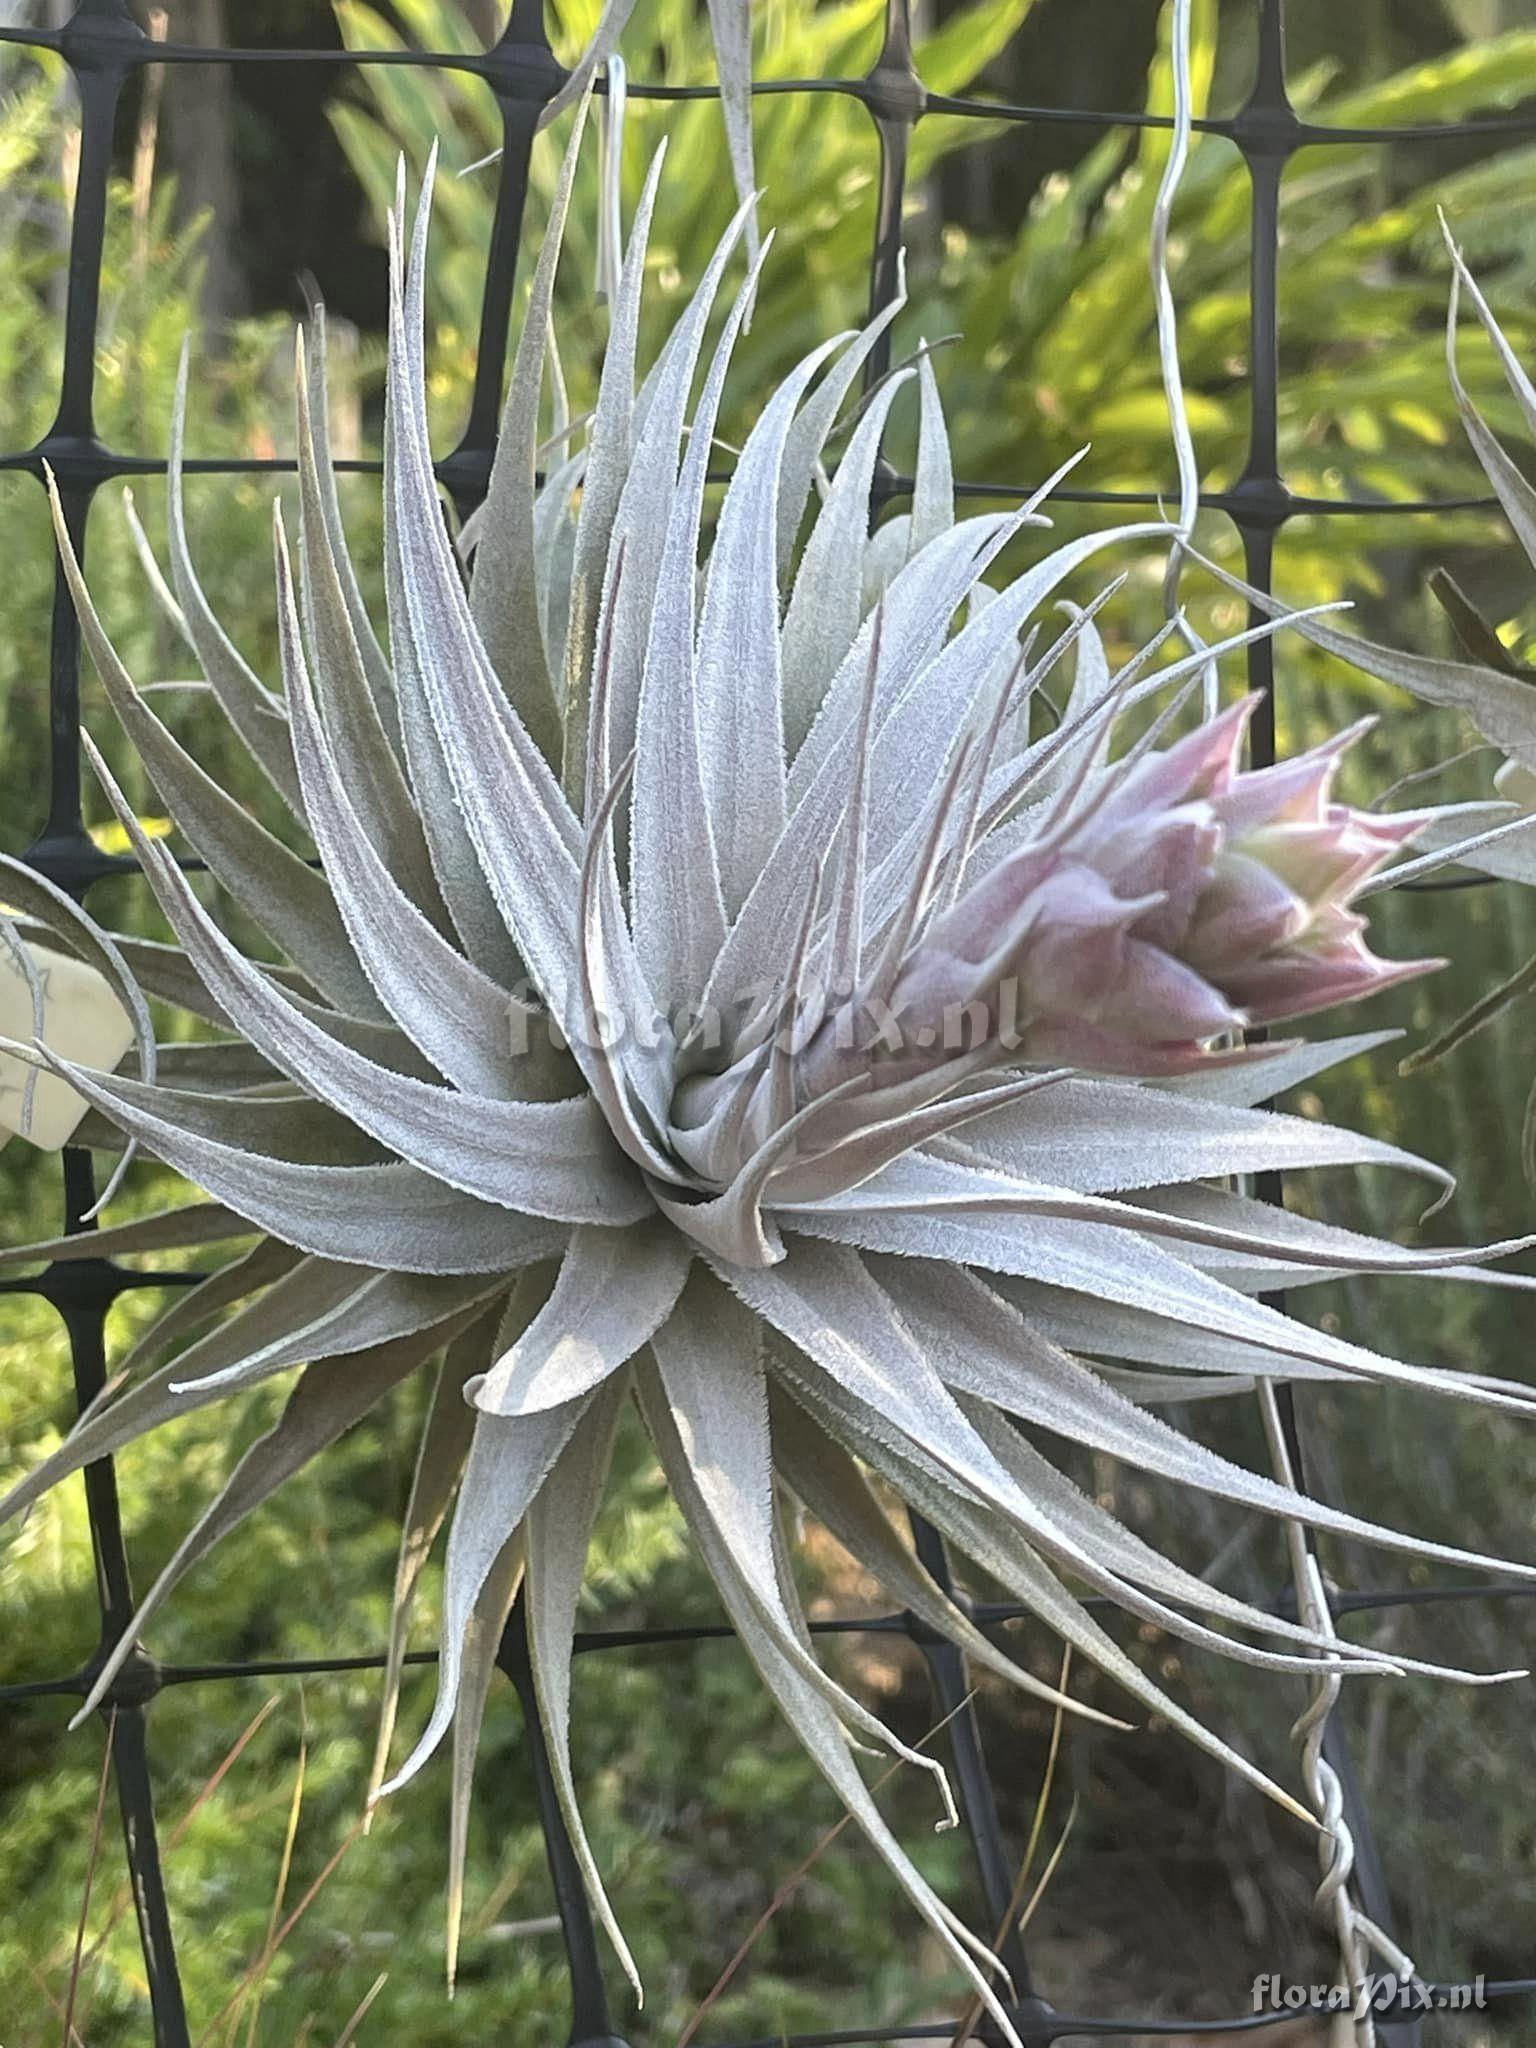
1176	899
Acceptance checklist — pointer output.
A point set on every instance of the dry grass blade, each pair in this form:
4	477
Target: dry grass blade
122	1898
788	1888
42	1984
349	2031
506	1887
1049	1871
263	1961
231	1757
284	1868
1019	1913
90	1879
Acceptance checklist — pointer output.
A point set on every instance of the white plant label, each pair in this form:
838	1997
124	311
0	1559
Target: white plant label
82	1021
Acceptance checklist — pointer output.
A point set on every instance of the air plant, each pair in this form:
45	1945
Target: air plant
720	986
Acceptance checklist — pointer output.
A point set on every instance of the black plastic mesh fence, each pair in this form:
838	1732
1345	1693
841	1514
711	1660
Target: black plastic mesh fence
104	47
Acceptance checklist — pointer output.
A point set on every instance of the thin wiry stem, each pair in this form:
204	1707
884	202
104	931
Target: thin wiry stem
1357	1935
1168	326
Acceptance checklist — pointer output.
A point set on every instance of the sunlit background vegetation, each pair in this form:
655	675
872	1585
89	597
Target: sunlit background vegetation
1027	258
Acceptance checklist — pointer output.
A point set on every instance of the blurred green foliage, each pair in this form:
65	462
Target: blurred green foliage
1050	330
1176	1887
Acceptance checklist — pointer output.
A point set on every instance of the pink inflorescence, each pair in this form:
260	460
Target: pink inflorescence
1172	900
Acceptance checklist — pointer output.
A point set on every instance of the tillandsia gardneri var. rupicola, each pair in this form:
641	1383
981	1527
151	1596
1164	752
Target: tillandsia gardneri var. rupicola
896	1079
